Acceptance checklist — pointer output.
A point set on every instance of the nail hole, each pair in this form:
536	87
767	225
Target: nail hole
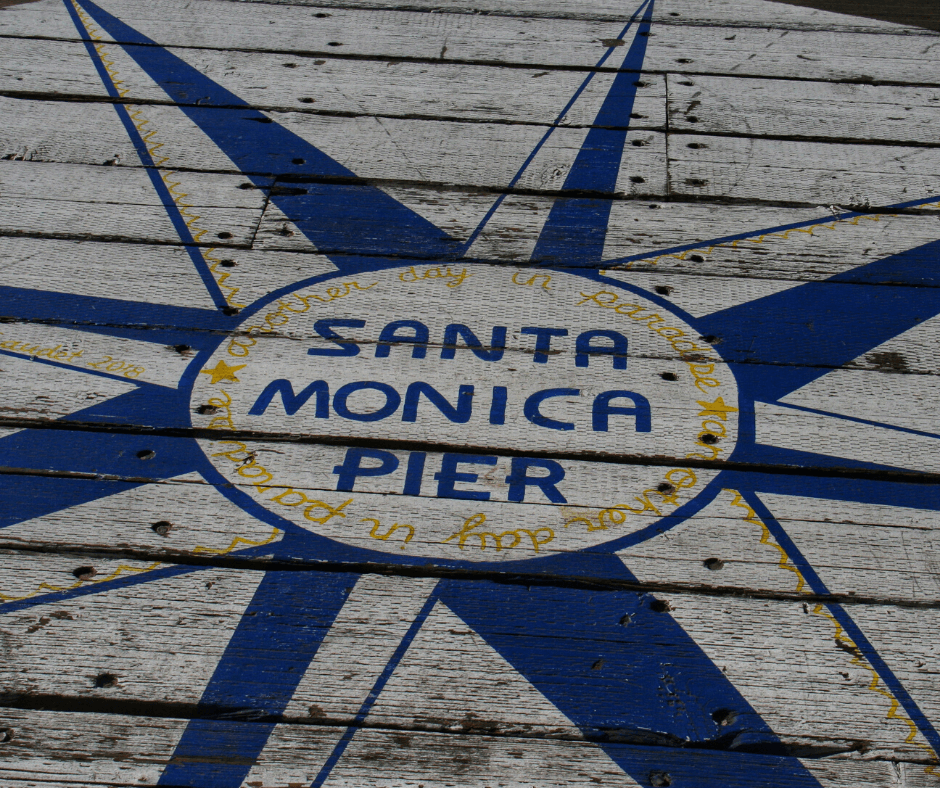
228	263
334	44
306	100
666	488
683	60
230	310
714	564
261	120
637	179
660	779
84	572
224	235
206	410
290	65
673	13
663	289
146	454
597	665
724	716
696	258
669	376
106	680
6	734
696	182
654	206
660	606
696	145
181	348
626	620
691	118
297	161
636	115
319	62
711	339
645	33
322	16
709	439
246	186
163	527
688	84
638	143
639	84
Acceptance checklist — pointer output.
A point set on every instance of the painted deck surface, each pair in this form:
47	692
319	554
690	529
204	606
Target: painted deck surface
469	393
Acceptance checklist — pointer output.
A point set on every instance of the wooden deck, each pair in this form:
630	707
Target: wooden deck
469	393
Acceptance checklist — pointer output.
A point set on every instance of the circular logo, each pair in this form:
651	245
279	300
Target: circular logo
467	412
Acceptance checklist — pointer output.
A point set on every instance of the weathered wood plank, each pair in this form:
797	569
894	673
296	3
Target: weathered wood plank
755	107
863	550
122	750
277	82
442	152
121	202
802	172
743	51
449	669
674	12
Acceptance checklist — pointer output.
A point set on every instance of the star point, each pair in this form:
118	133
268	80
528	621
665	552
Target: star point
222	372
717	408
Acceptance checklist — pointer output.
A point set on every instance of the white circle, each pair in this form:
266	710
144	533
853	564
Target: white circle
506	415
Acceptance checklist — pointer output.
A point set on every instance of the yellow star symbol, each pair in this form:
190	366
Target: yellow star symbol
222	371
717	408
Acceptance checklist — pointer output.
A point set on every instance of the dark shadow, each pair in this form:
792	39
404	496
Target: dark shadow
917	13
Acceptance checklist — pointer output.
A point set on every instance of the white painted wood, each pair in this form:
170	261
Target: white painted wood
48	740
154	274
739	13
112	202
839	438
862	550
803	172
281	82
126	360
183	516
787	652
31	388
390	148
440	36
757	107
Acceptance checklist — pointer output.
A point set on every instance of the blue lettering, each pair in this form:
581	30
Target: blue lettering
602	409
389	336
543	341
455	330
519	479
460	414
532	413
352	466
584	348
392	401
449	475
324	328
292	403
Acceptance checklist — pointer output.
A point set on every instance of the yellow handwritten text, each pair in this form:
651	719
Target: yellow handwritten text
374	533
531	281
411	275
241	345
474	521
